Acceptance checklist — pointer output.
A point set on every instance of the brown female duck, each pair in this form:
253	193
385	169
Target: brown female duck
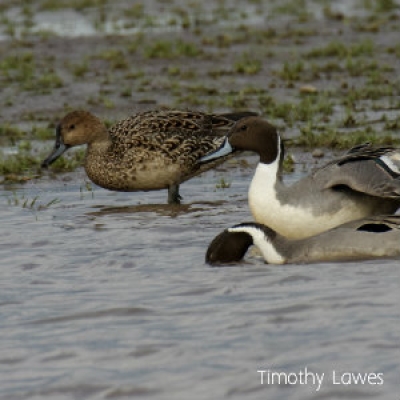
148	151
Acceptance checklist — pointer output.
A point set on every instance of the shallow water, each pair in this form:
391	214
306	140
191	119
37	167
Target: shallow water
112	19
106	295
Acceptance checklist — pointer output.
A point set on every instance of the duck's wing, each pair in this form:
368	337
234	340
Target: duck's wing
375	224
371	170
181	136
368	238
161	124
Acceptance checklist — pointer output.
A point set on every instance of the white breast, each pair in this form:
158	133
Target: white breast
291	221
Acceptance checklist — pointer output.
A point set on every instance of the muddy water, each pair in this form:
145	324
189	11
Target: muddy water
106	295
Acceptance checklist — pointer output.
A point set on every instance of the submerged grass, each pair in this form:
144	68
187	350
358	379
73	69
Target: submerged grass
291	71
169	49
247	65
52	5
222	184
29	73
24	165
69	162
314	107
21	166
34	204
11	132
341	50
332	138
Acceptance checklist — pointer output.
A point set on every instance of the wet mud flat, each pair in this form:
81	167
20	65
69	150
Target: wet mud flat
106	295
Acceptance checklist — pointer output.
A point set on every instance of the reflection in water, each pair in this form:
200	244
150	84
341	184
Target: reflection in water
166	210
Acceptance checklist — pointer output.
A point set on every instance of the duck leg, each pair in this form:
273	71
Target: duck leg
173	194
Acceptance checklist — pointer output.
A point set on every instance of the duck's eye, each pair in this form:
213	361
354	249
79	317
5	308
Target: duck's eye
243	127
72	126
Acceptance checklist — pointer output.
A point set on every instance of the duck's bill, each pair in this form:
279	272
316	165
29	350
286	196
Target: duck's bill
223	151
58	150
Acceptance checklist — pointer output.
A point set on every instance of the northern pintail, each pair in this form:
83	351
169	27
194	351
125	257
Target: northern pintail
375	237
363	182
148	151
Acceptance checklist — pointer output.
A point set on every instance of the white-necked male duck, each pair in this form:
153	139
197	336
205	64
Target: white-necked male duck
363	182
375	237
148	151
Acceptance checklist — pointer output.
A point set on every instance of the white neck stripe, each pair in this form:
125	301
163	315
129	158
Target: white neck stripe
267	248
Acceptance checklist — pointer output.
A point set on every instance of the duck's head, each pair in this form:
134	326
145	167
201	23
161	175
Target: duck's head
251	134
228	247
77	127
231	245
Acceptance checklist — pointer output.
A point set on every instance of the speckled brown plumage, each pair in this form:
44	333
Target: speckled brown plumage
147	151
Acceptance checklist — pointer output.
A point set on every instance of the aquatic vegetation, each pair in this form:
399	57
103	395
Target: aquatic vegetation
293	7
52	5
394	50
385	5
311	137
115	57
126	92
25	164
21	164
69	162
101	100
291	71
288	164
360	67
317	106
18	67
222	184
11	132
24	70
79	70
367	92
236	101
86	188
45	82
34	204
341	50
171	49
247	65
229	63
134	11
